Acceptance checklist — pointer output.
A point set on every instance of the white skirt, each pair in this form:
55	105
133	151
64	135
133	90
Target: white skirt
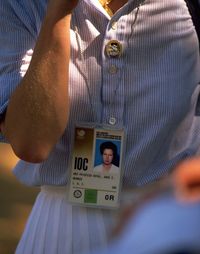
57	227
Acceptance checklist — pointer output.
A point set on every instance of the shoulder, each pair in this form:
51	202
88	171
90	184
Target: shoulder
114	169
18	4
98	168
20	21
23	10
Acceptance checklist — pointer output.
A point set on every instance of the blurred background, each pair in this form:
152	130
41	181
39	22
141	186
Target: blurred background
16	201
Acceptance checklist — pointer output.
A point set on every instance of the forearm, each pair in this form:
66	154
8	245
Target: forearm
38	109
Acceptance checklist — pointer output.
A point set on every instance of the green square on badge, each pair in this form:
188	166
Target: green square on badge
90	196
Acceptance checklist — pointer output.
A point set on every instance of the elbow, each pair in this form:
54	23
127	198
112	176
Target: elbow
31	153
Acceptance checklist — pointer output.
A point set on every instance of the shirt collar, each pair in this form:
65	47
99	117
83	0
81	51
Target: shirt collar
98	6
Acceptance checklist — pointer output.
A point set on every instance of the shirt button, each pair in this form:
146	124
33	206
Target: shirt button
113	69
114	25
112	120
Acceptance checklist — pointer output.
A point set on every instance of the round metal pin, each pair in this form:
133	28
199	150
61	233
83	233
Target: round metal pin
113	48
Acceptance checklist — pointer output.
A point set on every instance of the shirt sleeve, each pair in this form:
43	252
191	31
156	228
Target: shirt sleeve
17	38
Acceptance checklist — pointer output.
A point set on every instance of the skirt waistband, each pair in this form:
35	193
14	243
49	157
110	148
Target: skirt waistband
55	190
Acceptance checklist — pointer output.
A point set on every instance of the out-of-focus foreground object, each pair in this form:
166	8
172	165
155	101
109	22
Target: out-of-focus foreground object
186	179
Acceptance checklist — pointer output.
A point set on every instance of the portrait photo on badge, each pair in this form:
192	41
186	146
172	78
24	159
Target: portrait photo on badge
107	156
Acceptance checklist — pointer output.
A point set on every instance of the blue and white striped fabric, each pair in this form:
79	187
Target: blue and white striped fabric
153	92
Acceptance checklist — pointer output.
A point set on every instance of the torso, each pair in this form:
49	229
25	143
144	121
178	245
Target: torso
152	92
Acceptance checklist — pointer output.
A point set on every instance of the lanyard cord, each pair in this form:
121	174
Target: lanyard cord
83	70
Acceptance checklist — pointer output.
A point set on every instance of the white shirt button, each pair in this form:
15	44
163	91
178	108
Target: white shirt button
113	69
114	25
112	120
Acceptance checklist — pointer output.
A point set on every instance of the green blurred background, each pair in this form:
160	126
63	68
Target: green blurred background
16	201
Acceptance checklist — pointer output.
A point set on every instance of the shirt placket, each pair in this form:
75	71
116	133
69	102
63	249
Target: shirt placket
112	76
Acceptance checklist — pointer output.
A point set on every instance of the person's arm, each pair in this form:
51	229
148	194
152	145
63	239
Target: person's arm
38	109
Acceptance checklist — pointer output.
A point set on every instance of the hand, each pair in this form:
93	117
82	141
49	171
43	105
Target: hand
186	180
63	6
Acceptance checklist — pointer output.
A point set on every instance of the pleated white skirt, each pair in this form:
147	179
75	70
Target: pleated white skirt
57	227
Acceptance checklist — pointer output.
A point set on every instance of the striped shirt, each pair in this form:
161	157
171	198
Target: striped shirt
151	89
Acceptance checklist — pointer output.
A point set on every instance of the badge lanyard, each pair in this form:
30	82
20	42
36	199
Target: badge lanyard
112	49
97	159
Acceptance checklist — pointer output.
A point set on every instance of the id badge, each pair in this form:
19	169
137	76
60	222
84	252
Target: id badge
96	170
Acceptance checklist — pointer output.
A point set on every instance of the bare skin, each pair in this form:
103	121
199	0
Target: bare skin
184	181
115	5
38	109
186	178
107	159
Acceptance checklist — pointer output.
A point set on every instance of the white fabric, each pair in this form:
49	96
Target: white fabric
113	169
55	226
